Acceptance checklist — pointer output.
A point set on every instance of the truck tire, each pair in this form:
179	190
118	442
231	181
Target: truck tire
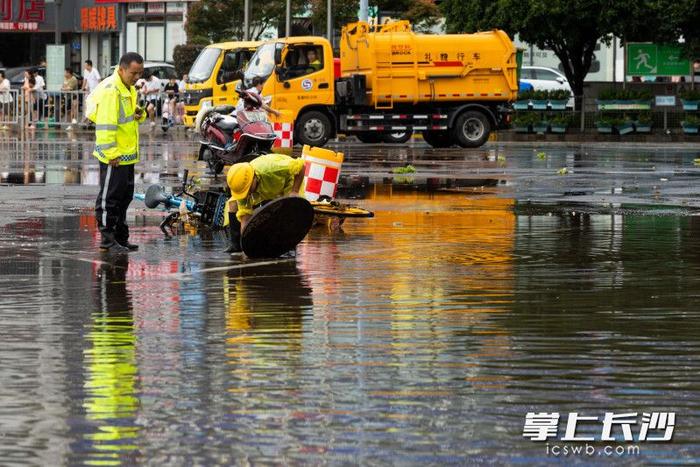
471	129
398	137
368	137
438	139
313	128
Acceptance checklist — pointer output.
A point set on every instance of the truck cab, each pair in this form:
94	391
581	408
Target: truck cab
213	76
300	76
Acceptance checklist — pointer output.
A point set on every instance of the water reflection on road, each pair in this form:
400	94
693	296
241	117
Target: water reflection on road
423	335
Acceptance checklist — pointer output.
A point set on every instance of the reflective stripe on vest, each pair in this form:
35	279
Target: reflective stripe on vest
106	127
100	147
128	158
122	114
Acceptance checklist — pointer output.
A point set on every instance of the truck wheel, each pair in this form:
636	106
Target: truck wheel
368	137
313	128
399	137
438	139
471	129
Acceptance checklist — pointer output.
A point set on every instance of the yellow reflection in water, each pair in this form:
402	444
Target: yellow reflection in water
111	370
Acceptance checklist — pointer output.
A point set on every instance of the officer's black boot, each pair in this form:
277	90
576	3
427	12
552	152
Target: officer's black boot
234	228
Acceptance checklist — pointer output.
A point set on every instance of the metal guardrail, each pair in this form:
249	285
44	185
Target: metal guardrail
11	108
65	110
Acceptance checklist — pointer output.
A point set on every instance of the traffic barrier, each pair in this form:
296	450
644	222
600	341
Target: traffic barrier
321	172
285	137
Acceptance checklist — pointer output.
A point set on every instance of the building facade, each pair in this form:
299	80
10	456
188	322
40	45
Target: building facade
99	30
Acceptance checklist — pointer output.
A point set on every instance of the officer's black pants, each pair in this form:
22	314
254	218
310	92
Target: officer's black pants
116	193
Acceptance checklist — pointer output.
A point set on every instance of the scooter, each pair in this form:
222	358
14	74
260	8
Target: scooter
230	136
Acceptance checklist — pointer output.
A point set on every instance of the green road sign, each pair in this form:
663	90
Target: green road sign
656	60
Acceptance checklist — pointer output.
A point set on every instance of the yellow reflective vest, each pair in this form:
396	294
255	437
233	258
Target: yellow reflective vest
111	108
275	174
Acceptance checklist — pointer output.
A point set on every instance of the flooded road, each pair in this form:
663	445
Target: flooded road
487	286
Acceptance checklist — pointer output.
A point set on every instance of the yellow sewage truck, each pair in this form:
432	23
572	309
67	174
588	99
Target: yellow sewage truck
213	76
454	88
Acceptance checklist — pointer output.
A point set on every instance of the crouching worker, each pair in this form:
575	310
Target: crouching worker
253	183
112	108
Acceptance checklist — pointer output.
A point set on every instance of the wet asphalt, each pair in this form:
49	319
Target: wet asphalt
492	282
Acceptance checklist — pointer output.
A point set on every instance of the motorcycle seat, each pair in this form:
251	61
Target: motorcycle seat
224	109
227	122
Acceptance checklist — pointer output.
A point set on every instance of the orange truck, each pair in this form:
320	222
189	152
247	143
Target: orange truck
454	88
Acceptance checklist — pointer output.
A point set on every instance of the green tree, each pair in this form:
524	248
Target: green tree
570	28
220	20
423	14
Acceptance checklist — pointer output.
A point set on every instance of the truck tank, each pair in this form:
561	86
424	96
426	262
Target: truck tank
400	66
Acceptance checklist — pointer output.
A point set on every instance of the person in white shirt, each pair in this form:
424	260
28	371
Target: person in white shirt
5	100
35	90
151	89
257	89
91	77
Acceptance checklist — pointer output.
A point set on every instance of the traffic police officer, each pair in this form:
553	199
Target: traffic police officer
113	108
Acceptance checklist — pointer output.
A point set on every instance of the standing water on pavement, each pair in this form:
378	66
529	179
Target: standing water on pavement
423	335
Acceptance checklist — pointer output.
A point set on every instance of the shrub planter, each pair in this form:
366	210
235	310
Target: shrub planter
540	127
539	104
558	128
603	127
522	128
521	105
625	128
558	104
690	128
690	105
640	127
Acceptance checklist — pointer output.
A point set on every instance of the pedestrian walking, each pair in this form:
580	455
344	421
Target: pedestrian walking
151	90
91	77
70	104
113	108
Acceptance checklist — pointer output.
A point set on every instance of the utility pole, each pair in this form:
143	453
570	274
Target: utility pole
329	23
364	6
288	20
57	30
246	20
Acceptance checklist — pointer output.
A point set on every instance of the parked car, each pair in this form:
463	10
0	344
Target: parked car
16	75
163	71
545	79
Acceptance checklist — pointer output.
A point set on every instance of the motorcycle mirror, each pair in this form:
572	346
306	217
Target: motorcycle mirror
155	195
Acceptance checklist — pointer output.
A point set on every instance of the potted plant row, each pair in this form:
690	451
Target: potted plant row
525	122
542	100
642	124
690	99
690	124
560	123
533	122
609	124
624	99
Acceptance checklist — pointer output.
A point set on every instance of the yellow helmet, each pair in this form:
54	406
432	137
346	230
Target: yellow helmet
239	179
